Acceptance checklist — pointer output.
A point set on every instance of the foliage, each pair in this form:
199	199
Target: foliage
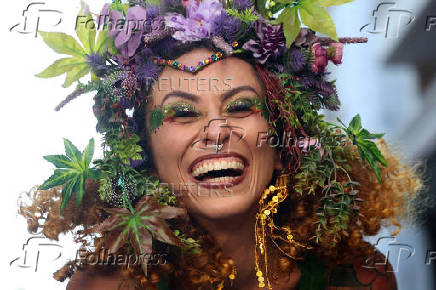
138	226
125	148
246	15
368	149
312	13
156	118
72	170
76	66
191	245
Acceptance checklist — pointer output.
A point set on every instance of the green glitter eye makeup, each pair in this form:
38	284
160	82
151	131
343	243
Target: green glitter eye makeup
240	105
180	110
243	107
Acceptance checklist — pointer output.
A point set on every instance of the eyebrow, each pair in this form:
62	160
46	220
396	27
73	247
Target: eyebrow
183	95
234	91
195	98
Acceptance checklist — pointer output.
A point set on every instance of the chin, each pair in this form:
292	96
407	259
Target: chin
221	204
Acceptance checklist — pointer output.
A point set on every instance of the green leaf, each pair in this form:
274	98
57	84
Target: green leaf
75	74
60	66
86	31
261	8
67	191
94	174
246	16
355	125
366	135
122	7
72	151
156	118
291	24
60	161
88	153
75	171
62	43
327	3
105	43
152	2
372	150
80	189
317	18
59	177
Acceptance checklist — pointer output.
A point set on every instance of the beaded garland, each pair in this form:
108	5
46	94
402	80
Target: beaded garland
193	69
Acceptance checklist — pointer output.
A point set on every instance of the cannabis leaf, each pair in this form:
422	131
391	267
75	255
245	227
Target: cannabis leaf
77	65
138	226
368	150
72	170
246	15
312	13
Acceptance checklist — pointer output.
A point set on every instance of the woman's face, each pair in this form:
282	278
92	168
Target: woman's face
214	106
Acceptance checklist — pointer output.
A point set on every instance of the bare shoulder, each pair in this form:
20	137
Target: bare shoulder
374	273
96	280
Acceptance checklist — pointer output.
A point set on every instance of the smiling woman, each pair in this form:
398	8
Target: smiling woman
185	175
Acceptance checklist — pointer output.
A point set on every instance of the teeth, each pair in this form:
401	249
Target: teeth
217	164
225	179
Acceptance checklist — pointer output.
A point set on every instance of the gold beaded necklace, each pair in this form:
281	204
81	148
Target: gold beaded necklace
275	194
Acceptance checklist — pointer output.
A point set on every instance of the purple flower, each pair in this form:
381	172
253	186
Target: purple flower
198	22
296	60
152	12
271	42
148	71
225	26
96	61
128	35
158	23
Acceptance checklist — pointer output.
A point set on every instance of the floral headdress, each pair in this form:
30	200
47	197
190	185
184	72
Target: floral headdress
125	49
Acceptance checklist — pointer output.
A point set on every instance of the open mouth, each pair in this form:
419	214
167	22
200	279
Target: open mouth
228	170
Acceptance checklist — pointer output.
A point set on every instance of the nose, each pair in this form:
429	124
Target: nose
215	134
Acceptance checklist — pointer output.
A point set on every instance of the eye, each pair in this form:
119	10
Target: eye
180	112
241	107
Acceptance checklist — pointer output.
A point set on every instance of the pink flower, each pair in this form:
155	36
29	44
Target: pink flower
320	61
322	55
334	52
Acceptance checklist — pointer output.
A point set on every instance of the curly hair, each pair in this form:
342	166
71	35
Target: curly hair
384	203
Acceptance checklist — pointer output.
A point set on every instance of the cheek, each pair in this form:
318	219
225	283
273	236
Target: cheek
256	128
263	154
168	145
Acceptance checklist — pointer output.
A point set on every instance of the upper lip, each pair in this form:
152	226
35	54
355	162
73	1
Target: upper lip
216	155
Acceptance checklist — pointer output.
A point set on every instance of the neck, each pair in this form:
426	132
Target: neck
234	235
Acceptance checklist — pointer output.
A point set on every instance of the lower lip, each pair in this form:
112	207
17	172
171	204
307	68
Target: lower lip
223	185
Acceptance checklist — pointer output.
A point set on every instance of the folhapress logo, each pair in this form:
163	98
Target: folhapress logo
388	20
